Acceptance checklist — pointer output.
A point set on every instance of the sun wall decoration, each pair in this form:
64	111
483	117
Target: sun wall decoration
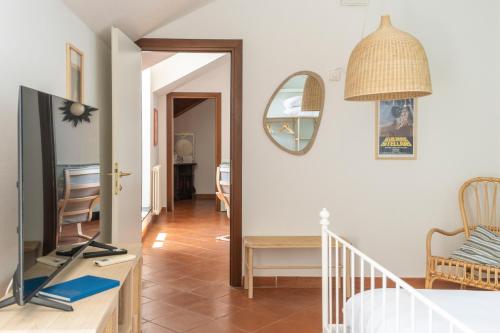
76	113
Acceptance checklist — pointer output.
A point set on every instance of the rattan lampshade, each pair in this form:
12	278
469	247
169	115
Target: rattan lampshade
312	96
387	64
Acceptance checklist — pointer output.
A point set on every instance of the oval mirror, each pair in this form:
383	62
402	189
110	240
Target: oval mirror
294	112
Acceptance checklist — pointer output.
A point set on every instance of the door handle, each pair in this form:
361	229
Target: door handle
120	174
116	180
124	174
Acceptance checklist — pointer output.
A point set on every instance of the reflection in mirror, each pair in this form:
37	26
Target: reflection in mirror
59	177
294	112
32	177
77	173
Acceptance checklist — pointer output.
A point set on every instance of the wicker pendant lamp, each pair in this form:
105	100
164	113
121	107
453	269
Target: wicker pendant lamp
387	64
312	96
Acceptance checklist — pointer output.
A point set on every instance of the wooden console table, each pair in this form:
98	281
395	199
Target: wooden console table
184	181
252	243
113	311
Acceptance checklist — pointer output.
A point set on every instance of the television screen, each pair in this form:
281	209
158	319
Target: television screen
59	182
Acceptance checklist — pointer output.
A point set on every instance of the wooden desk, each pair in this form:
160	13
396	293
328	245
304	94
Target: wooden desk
279	242
113	311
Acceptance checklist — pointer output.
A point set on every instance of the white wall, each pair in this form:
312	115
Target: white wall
216	79
34	55
150	102
153	104
85	136
180	68
147	139
200	120
383	207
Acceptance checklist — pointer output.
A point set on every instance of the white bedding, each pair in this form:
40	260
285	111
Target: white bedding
479	310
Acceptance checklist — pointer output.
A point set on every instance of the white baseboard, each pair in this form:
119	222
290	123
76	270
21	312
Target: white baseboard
146	221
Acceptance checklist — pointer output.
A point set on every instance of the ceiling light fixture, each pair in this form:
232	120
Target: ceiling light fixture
387	64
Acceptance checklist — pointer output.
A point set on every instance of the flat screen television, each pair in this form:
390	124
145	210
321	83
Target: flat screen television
58	187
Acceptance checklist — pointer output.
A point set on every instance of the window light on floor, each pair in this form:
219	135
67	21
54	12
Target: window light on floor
160	238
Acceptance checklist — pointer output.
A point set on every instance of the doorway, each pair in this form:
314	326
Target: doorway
235	49
179	103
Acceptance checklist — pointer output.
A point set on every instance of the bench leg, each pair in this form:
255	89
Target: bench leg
250	273
246	268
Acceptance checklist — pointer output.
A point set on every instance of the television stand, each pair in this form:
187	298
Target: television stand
104	312
38	300
74	250
44	301
8	301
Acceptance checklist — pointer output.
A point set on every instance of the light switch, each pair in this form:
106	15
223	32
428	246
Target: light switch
336	74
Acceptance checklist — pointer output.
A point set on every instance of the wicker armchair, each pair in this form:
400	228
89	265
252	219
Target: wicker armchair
478	199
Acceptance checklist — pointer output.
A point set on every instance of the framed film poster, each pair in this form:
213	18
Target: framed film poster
396	129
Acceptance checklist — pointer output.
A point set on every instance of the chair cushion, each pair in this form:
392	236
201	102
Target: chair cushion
483	247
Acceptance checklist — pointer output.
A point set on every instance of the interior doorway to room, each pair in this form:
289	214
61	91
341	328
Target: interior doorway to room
186	169
182	211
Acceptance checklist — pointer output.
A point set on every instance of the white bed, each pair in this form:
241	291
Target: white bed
399	309
479	310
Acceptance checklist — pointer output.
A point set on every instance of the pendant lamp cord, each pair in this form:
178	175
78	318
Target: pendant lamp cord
368	12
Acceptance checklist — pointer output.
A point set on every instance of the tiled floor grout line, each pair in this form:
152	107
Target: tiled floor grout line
187	282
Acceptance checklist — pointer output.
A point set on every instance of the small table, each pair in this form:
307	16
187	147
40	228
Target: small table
184	181
281	242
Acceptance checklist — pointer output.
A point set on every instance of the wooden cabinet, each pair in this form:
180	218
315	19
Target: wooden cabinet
113	311
184	181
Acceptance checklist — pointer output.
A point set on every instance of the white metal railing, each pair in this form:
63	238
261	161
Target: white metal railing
361	296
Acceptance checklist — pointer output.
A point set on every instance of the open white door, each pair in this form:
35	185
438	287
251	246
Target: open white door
126	137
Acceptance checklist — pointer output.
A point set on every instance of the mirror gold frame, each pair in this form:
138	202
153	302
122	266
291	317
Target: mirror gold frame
318	121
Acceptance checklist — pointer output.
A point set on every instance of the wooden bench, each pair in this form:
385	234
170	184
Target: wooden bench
252	243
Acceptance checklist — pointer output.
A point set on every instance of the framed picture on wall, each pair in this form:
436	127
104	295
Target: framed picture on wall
74	73
184	147
396	129
155	127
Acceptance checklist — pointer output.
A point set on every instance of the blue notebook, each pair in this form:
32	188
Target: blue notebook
74	290
31	285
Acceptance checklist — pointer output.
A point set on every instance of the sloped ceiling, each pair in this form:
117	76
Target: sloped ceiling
181	68
183	105
149	59
135	18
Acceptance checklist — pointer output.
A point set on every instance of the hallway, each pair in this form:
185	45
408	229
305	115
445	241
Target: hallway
186	288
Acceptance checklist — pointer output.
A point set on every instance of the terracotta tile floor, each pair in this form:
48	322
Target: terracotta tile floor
186	289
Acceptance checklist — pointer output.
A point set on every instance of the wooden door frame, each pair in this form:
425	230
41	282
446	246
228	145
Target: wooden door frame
235	48
170	138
